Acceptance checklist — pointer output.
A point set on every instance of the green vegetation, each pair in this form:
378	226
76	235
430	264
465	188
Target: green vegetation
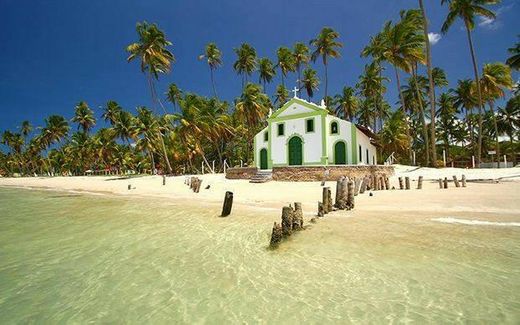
193	131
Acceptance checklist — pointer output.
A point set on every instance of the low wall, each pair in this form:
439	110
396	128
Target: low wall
241	172
329	173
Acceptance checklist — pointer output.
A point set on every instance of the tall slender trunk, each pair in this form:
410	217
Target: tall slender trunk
326	80
423	119
431	92
405	113
479	93
299	77
152	161
495	125
213	82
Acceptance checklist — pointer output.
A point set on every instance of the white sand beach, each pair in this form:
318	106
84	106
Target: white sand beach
490	191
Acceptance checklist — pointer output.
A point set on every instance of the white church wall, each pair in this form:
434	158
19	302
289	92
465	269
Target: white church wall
344	135
259	145
365	144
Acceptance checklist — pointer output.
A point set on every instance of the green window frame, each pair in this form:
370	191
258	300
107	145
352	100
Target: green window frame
266	136
280	129
332	130
309	125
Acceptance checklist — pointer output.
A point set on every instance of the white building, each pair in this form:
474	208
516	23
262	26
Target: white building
305	134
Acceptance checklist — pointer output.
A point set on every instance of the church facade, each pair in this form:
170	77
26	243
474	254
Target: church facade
301	133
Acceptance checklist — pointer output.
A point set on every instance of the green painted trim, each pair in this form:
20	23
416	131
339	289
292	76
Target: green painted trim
287	148
334	151
254	152
280	165
313	163
324	157
353	135
299	101
296	116
269	159
313	125
330	127
277	124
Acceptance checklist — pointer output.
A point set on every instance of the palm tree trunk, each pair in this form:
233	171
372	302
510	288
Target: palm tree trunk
477	79
299	77
326	80
401	98
431	92
495	125
213	82
423	119
152	161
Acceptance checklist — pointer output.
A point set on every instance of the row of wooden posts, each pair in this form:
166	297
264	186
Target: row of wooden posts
292	220
444	183
194	183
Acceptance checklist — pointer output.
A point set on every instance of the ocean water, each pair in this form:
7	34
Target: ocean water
78	258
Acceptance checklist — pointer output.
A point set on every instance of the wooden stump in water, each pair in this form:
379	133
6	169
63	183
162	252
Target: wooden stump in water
276	235
228	204
440	182
463	180
407	182
287	221
321	210
445	182
338	191
456	181
326	200
401	185
350	195
419	183
297	216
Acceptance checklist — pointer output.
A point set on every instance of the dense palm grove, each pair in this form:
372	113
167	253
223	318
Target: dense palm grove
182	131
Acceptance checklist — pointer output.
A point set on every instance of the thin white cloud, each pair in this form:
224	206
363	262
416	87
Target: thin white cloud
434	38
494	24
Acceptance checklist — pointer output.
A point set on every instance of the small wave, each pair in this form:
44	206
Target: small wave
477	222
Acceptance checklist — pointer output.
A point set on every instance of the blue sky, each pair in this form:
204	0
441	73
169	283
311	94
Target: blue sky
57	53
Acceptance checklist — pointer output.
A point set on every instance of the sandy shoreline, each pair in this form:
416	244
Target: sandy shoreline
498	200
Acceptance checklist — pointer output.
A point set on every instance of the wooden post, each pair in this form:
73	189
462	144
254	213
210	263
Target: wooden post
287	221
276	235
163	180
357	184
387	183
401	185
463	180
321	210
440	183
298	216
228	204
199	183
445	182
350	195
456	181
338	191
363	187
329	202
407	182
326	199
419	183
129	186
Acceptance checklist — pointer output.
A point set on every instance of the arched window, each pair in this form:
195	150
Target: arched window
334	128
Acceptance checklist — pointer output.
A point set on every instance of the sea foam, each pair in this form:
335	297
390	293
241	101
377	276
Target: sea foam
476	222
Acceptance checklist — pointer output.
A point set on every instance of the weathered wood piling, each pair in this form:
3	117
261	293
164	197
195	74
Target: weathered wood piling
401	185
445	182
440	183
297	216
350	195
419	183
456	181
407	182
387	183
287	220
228	204
276	235
463	181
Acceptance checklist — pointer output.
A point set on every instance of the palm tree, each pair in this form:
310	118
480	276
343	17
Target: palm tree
146	125
155	59
393	135
246	62
467	10
124	126
495	78
514	60
55	129
174	94
84	116
508	118
371	86
326	45
266	71
286	62
281	95
111	112
301	57
310	82
446	114
26	129
464	98
213	57
347	103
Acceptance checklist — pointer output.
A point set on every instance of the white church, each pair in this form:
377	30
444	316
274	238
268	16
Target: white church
301	133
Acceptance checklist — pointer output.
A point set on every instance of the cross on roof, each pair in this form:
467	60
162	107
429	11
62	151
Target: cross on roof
295	91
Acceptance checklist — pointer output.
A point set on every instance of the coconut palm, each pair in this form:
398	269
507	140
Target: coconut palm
393	135
446	114
286	62
281	95
246	62
464	98
26	128
213	57
266	72
347	103
371	86
310	82
301	57
55	129
84	116
173	94
467	10
124	126
495	78
327	46
111	112
508	118
514	60
151	48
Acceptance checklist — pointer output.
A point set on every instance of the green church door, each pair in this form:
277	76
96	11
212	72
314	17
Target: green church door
263	159
295	152
340	153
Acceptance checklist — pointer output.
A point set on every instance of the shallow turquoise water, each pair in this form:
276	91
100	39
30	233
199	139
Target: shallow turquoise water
83	258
